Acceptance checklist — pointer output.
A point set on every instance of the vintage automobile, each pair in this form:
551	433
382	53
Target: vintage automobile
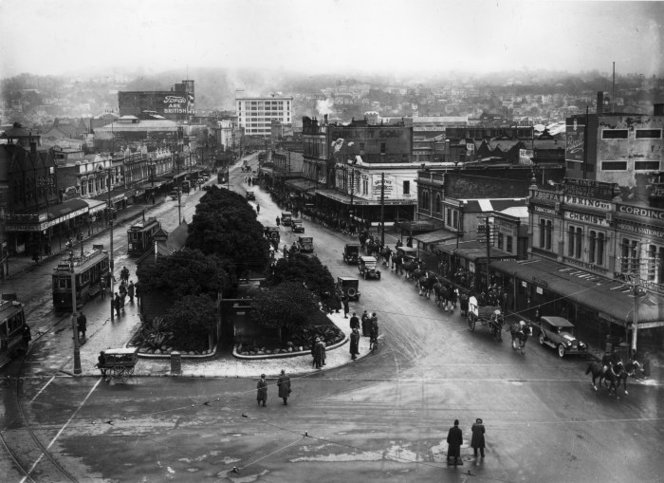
286	218
250	196
297	226
409	253
558	332
368	267
349	287
306	244
351	253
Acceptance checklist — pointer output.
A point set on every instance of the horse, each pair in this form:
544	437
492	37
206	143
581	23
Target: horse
409	268
440	291
426	284
598	371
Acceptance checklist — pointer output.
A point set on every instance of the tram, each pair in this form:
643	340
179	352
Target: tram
14	332
89	269
141	236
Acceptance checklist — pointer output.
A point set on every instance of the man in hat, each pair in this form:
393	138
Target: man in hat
284	387
261	390
454	442
477	441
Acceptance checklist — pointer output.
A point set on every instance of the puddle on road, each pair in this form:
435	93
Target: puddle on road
394	453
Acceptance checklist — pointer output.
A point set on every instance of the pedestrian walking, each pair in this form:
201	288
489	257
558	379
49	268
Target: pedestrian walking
365	323
477	440
354	322
344	300
354	344
373	332
284	387
117	303
261	390
131	290
454	442
81	325
123	294
124	274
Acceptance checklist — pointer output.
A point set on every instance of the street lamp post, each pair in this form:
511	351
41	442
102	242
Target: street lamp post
74	325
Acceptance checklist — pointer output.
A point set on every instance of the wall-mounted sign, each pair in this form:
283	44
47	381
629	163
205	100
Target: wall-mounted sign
586	218
588	188
574	141
544	210
588	202
641	212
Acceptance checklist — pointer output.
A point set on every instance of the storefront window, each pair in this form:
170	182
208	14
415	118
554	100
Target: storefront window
549	234
600	249
579	242
592	239
509	244
570	242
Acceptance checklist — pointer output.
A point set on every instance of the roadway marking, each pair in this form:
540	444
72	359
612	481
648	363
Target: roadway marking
34	465
42	389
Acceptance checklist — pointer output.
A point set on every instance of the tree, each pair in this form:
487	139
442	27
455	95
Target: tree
225	225
192	321
186	272
288	306
306	270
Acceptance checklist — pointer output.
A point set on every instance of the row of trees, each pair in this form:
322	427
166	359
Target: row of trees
225	243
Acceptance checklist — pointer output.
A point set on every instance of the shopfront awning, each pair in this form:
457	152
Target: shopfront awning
345	199
416	226
56	214
611	298
95	206
435	236
300	184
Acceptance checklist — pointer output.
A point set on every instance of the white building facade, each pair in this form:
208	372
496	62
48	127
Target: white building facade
255	114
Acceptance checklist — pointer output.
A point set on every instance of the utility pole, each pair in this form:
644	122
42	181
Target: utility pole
488	253
636	289
74	320
382	209
111	279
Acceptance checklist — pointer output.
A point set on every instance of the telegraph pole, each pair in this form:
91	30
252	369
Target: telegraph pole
382	209
488	252
74	321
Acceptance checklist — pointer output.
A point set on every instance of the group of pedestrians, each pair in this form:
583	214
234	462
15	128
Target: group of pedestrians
369	325
455	440
283	385
126	289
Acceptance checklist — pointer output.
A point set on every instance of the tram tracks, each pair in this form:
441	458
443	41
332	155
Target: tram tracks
30	457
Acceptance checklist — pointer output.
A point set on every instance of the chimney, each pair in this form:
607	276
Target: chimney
325	119
600	102
659	110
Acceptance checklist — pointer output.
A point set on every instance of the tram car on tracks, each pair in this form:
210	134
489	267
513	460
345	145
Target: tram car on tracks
14	332
141	236
88	270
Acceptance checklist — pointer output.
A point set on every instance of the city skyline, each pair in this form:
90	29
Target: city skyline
382	37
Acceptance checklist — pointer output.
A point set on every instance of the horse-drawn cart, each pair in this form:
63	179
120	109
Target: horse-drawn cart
118	363
489	315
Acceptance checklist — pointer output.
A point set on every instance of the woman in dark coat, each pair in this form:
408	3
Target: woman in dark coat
284	387
354	343
477	441
454	442
261	390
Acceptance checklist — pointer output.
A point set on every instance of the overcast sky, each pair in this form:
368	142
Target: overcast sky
331	36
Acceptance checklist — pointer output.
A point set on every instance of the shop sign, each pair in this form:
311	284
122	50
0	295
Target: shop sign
539	290
547	195
586	218
590	203
574	141
642	230
505	228
641	212
387	187
589	188
545	211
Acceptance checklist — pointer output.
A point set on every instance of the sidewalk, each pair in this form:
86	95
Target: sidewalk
226	365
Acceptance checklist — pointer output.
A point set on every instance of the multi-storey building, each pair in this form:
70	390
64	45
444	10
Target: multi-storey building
615	147
255	114
176	104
